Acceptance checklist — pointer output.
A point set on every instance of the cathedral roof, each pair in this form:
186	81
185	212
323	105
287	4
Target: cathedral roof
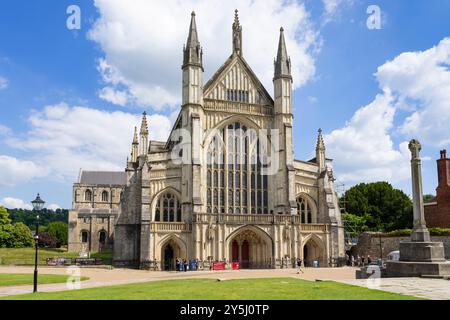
103	177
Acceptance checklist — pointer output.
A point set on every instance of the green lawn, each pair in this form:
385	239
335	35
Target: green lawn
7	280
25	256
208	289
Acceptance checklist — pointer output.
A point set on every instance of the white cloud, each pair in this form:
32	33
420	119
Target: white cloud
54	206
13	203
14	171
332	8
143	43
65	139
364	150
418	84
423	79
114	96
3	83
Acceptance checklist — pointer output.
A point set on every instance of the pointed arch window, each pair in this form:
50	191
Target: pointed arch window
168	208
304	210
234	183
105	196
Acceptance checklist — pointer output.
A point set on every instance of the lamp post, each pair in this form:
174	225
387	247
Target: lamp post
38	204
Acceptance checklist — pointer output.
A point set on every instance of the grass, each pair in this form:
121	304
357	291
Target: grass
25	256
7	280
208	289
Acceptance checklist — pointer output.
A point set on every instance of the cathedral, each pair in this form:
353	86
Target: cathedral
224	187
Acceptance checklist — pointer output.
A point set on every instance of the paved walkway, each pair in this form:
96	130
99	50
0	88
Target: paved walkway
105	277
436	289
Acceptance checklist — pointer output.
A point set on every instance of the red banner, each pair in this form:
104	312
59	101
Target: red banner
235	265
218	266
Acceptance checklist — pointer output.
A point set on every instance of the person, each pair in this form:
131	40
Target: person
186	265
369	260
177	262
358	260
363	260
299	266
353	260
347	260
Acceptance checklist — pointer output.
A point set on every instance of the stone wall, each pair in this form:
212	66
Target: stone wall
369	244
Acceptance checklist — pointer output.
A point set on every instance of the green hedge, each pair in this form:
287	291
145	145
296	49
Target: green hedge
433	232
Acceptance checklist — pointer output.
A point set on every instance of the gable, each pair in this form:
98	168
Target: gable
235	81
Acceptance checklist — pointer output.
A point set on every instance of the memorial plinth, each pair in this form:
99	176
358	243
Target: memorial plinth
419	256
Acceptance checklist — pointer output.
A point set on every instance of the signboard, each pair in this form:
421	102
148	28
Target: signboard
218	266
235	265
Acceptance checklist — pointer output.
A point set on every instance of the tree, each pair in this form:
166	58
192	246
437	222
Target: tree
5	228
46	216
383	207
13	236
46	240
428	198
21	236
59	231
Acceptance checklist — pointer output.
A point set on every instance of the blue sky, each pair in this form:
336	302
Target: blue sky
69	99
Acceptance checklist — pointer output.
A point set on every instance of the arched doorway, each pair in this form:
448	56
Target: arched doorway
313	250
168	258
172	249
251	248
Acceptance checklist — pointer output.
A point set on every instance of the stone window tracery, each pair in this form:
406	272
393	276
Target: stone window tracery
168	208
234	180
304	210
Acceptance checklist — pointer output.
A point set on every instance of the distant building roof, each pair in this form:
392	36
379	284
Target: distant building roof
103	177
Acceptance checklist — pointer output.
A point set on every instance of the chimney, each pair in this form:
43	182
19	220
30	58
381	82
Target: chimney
443	165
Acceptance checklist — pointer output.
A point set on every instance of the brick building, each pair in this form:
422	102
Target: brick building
437	213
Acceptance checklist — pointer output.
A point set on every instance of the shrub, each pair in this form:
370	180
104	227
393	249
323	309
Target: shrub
59	231
46	240
400	233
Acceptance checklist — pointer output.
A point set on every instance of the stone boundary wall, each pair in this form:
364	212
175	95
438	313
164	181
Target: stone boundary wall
369	244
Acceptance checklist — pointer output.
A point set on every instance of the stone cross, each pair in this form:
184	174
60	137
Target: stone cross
420	231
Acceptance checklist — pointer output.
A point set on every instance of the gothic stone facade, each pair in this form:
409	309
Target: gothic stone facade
221	203
437	212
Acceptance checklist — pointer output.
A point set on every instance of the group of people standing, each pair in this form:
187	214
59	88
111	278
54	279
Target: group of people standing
358	261
186	265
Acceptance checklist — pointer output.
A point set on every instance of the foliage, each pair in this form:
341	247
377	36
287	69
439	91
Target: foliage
46	216
5	228
59	230
439	231
433	232
428	198
13	236
359	223
383	207
22	236
400	233
46	240
210	289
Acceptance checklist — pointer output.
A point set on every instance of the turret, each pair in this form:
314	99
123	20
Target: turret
134	146
320	152
192	67
144	136
282	79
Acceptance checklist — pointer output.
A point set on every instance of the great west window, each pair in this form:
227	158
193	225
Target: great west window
234	180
